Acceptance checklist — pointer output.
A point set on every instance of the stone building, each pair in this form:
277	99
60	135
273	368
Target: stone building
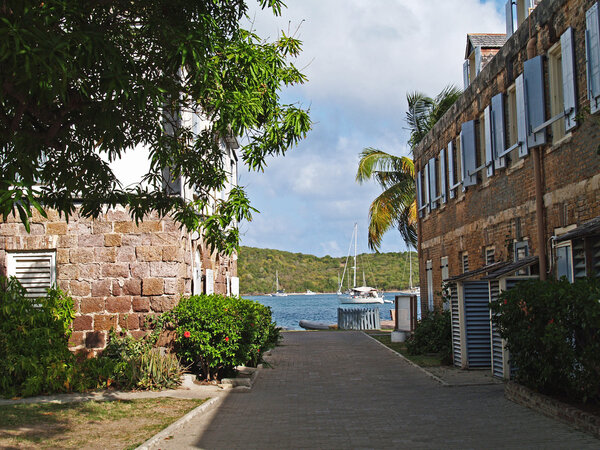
117	272
508	181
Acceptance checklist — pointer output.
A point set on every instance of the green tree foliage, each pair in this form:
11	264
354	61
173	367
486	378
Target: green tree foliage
396	205
299	272
85	81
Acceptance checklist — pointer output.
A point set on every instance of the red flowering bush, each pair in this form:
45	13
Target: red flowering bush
216	333
552	330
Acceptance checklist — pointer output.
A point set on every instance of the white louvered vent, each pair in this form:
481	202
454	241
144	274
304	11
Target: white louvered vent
35	271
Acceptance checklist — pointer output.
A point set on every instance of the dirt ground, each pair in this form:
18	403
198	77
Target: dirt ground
120	424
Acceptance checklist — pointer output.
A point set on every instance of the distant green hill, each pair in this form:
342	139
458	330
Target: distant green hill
299	272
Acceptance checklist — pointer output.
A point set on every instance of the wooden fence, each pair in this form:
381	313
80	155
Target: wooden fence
358	319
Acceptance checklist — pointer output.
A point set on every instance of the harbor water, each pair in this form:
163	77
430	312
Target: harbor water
289	311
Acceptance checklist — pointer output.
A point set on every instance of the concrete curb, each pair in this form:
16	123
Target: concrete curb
171	429
553	408
426	372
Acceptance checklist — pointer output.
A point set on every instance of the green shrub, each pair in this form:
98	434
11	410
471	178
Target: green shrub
138	364
215	333
433	334
36	359
34	338
552	330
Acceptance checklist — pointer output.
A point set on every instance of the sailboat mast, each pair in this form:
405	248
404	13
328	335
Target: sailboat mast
355	240
276	281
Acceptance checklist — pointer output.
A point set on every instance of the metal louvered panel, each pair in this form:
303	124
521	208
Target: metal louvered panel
596	256
477	324
497	354
579	265
454	312
35	271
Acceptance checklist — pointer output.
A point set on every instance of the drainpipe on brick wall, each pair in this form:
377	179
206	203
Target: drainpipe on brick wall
539	188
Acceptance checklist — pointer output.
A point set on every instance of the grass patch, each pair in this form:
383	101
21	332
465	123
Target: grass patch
429	360
112	424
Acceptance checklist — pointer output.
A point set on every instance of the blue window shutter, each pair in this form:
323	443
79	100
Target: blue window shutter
592	48
533	73
419	193
489	156
426	187
443	175
451	180
498	134
477	60
466	74
469	153
509	18
569	81
521	116
433	191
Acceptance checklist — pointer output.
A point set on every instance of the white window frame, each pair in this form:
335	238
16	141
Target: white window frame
555	90
429	270
210	282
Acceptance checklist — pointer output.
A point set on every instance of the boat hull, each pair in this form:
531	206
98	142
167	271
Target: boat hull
361	301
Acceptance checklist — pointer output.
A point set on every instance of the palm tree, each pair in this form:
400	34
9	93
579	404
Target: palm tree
396	205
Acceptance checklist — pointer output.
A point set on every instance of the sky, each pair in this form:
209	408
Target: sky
361	58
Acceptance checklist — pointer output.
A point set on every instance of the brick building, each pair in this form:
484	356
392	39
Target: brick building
508	181
117	272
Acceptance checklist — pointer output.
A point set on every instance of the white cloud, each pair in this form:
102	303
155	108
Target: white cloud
361	57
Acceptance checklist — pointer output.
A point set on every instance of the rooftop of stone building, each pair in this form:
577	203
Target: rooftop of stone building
484	40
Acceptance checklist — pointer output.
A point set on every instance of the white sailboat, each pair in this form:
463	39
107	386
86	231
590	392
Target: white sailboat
278	292
358	294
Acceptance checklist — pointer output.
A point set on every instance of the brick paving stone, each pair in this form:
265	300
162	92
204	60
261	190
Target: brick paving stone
344	390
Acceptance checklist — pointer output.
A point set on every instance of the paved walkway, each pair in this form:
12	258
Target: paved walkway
344	390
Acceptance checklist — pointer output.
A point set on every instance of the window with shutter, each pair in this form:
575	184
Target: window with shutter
469	154
533	79
36	271
419	193
564	261
210	282
235	286
429	270
555	79
426	188
498	140
466	79
512	136
521	252
521	116
487	141
442	176
510	21
569	80
171	185
490	255
477	60
433	185
592	49
197	279
451	165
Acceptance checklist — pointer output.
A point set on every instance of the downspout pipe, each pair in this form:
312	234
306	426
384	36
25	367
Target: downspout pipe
539	186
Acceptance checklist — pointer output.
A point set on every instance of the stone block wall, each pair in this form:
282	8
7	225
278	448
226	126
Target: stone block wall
501	209
117	272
